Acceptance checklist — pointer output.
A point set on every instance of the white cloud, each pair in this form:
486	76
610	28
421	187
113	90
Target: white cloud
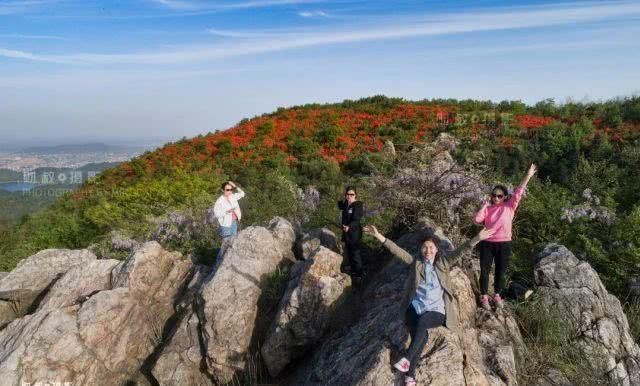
257	42
21	6
310	14
34	37
181	5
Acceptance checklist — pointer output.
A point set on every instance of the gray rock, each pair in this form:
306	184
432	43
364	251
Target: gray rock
310	241
389	149
213	342
79	283
181	356
574	289
482	353
314	293
103	337
32	277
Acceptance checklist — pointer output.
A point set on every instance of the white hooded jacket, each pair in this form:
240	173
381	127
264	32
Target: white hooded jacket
222	205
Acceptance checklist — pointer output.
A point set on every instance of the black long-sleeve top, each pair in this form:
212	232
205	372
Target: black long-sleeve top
351	215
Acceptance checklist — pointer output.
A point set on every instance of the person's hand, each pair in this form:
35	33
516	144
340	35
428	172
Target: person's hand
486	233
485	200
371	229
532	170
345	228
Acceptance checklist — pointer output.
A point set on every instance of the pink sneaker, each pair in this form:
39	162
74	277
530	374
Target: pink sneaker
409	381
497	300
402	365
484	302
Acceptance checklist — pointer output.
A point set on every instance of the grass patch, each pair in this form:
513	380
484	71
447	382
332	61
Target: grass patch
551	343
632	310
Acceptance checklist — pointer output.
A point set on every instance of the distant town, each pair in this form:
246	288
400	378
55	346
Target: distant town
67	156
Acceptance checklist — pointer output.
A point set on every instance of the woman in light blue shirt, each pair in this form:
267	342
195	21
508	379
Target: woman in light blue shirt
430	301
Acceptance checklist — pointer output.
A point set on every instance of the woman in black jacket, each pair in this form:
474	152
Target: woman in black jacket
352	211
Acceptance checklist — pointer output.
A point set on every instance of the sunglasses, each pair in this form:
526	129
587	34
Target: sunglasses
350	194
228	190
497	195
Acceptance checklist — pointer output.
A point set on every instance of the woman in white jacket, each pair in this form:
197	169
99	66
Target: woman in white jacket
227	211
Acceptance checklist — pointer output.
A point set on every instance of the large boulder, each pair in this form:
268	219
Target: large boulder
573	288
315	291
310	241
213	342
22	289
180	357
482	352
104	330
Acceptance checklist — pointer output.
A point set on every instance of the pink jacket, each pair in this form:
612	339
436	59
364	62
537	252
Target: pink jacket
500	217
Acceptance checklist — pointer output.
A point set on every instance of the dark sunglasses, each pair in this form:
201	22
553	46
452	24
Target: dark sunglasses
228	190
350	194
497	195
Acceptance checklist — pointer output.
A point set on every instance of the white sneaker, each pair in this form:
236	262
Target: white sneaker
409	381
402	365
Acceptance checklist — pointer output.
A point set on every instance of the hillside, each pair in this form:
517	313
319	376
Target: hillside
163	195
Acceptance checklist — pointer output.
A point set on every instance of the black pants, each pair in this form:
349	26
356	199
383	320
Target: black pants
418	328
500	251
353	255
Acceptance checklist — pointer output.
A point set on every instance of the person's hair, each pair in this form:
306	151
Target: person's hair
351	188
433	239
504	189
224	185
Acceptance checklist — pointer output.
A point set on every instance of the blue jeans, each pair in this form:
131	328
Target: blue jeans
229	231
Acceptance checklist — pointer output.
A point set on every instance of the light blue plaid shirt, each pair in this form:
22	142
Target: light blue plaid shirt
429	295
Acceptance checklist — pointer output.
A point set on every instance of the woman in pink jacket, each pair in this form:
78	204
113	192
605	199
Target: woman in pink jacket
498	217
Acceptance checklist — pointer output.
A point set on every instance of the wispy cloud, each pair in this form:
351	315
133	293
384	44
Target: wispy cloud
257	42
309	14
13	7
181	5
34	37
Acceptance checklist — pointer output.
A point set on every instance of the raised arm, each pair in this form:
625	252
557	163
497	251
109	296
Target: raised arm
240	194
390	245
532	170
517	194
455	255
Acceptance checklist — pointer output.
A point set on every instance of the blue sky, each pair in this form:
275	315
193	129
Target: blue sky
85	69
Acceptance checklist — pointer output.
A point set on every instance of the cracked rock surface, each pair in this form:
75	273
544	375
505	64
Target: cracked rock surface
572	287
98	323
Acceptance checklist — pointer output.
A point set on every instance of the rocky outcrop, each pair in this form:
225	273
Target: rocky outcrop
22	288
102	331
482	353
572	288
310	241
315	291
213	342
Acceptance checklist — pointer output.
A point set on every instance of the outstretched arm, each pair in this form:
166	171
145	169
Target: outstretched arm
454	256
532	170
390	245
517	194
